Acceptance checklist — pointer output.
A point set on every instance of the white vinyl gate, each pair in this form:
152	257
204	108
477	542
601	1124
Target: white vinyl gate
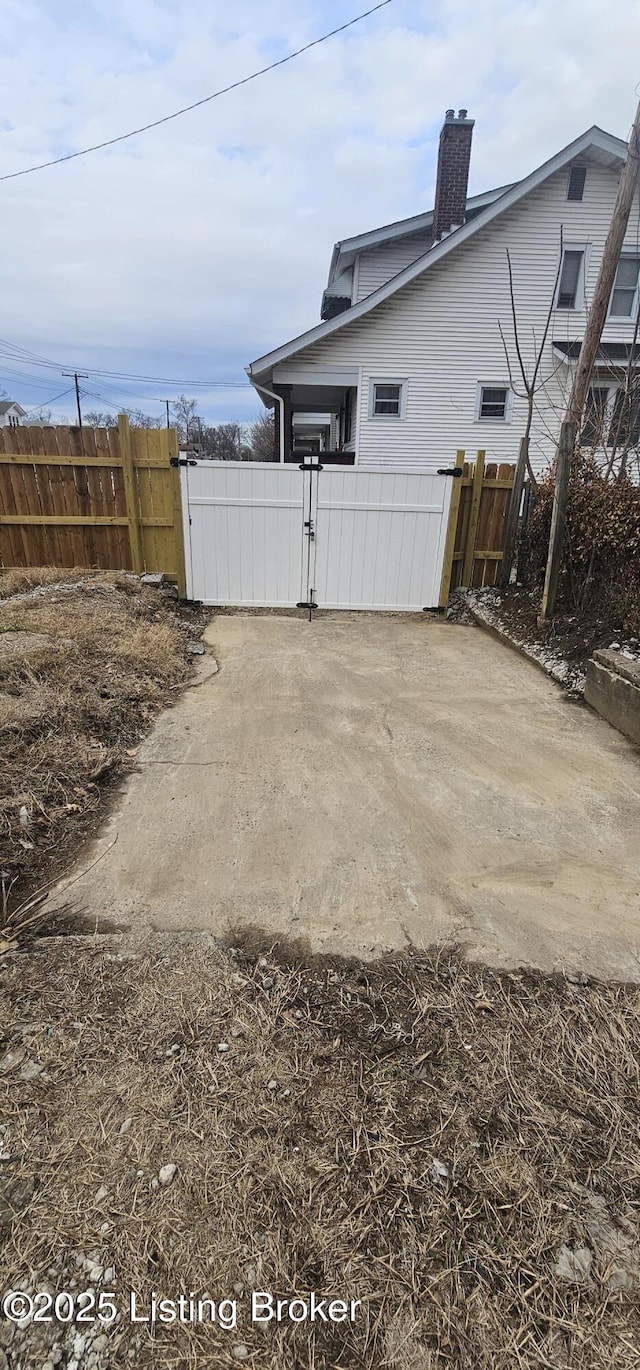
339	537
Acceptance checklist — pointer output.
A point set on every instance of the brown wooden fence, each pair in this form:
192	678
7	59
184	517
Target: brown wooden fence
473	549
94	497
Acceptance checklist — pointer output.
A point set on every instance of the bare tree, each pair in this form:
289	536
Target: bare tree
98	418
262	437
40	416
184	412
138	419
531	382
223	441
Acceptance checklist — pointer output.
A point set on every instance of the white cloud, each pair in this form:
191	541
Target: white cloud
201	244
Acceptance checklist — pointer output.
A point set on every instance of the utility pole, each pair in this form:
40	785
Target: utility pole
608	266
592	335
168	402
78	375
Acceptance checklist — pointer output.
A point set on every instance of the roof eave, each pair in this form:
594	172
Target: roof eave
593	137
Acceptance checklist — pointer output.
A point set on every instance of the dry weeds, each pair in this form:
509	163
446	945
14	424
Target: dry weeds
423	1135
71	718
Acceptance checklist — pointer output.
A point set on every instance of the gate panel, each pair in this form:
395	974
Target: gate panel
269	535
245	533
379	538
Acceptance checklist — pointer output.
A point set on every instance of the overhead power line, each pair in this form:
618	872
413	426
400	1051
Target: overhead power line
22	356
50	400
155	123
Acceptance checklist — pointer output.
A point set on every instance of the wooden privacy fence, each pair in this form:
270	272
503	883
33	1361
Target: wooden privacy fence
473	549
94	497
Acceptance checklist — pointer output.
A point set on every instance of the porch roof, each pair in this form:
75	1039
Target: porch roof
608	353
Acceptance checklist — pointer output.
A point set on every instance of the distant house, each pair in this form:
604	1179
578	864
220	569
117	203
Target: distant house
11	413
408	364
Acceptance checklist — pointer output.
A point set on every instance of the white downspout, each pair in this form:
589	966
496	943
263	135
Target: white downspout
272	395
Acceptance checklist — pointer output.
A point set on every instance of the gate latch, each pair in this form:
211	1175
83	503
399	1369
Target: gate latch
310	466
451	471
182	461
311	530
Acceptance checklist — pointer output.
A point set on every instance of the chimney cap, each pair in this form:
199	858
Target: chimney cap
462	113
449	114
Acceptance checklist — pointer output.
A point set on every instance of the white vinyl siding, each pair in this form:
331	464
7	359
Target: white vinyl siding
441	332
377	265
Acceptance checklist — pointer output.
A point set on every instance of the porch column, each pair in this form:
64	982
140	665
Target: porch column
285	392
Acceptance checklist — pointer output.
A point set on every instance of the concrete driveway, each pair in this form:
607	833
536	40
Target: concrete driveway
367	782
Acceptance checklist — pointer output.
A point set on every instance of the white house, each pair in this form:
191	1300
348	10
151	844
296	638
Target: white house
408	364
11	413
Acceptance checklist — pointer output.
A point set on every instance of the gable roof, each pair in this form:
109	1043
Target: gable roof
601	146
346	249
6	405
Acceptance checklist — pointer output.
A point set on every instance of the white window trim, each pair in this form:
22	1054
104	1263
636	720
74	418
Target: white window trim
581	297
626	318
494	385
388	380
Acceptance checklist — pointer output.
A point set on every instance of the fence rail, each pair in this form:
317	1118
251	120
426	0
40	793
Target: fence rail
476	524
92	497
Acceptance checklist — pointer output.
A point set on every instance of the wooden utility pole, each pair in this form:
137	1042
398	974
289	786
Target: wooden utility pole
608	266
82	375
590	343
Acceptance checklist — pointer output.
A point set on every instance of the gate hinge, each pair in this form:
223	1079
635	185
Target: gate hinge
451	471
182	461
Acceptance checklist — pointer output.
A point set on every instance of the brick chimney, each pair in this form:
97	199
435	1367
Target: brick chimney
454	156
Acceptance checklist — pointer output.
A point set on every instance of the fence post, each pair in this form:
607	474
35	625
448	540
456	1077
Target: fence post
450	541
176	505
131	494
474	514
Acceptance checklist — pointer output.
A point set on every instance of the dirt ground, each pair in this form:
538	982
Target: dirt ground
86	662
369	782
454	1148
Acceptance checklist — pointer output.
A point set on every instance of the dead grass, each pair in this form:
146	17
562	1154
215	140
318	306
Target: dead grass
18	580
73	711
423	1135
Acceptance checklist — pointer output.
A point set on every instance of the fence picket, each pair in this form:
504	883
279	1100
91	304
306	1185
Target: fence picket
71	497
479	523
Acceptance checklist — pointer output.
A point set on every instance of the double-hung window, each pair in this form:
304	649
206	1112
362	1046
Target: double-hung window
571	283
387	399
493	402
624	296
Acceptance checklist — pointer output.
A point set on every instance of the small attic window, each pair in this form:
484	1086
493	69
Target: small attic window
577	178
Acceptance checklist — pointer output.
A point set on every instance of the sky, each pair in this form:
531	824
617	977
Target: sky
190	250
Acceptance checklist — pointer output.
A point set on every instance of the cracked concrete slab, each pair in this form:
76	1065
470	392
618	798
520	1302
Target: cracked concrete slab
370	781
